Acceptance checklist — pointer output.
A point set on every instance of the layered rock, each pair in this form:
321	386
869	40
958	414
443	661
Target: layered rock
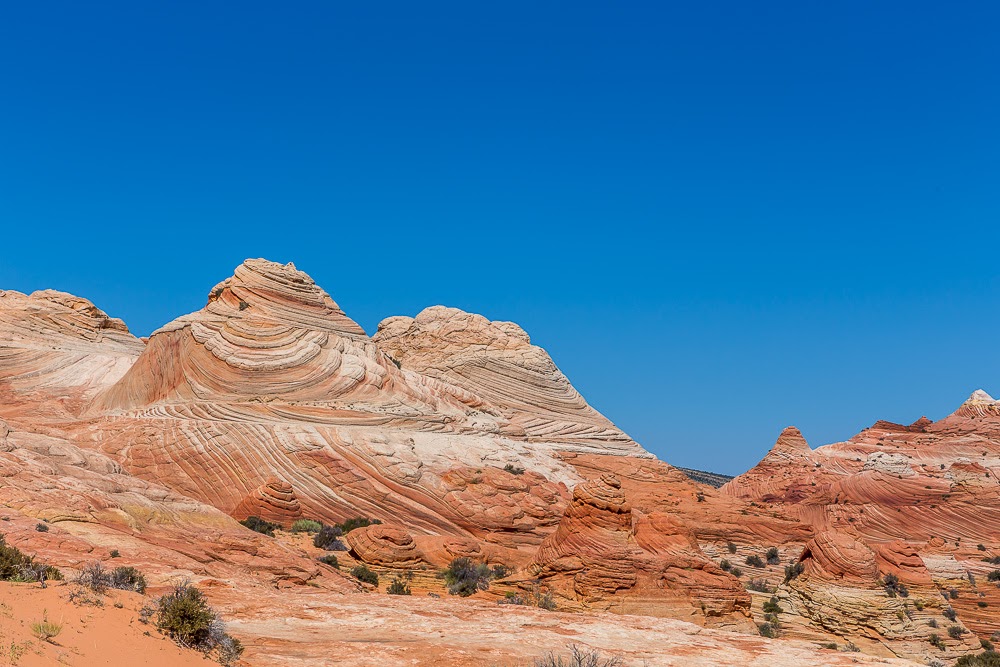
274	501
604	553
496	360
920	503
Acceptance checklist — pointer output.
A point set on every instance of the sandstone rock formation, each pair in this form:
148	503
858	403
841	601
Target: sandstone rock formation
919	504
465	440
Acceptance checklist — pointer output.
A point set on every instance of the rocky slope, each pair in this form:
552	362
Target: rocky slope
906	522
456	432
466	440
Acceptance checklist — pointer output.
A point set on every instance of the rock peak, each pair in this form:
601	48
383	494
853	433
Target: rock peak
791	439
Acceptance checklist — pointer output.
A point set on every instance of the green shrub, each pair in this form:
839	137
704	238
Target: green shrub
513	470
771	606
772	556
500	571
42	527
399	586
767	630
731	547
258	525
955	632
330	560
794	570
993	576
362	573
328	538
184	616
357	522
892	586
755	561
725	565
759	585
736	572
465	577
128	579
935	641
949	613
114	553
988	658
830	645
306	526
16	566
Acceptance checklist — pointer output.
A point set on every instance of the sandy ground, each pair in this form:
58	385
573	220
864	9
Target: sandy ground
90	635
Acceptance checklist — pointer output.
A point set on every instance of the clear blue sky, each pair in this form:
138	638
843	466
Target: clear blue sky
720	218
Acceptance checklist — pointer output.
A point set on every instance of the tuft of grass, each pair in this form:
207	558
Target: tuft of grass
46	630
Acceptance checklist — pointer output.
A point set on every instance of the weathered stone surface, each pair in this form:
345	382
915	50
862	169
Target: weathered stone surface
274	500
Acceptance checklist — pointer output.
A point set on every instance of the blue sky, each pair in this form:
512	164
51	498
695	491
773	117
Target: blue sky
720	219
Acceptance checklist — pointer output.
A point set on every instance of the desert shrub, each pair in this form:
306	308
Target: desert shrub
330	560
258	525
948	613
94	577
767	630
987	658
362	573
579	657
328	538
46	630
357	522
772	556
986	644
16	566
830	645
185	616
115	553
932	622
793	570
306	526
955	632
953	593
535	597
42	527
755	561
513	470
771	606
759	585
731	547
982	604
736	572
500	571
465	577
935	641
127	579
993	576
995	560
893	587
725	565
398	586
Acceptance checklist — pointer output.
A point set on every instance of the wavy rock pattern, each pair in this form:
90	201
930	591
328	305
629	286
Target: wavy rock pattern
605	553
496	360
911	501
274	501
271	401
